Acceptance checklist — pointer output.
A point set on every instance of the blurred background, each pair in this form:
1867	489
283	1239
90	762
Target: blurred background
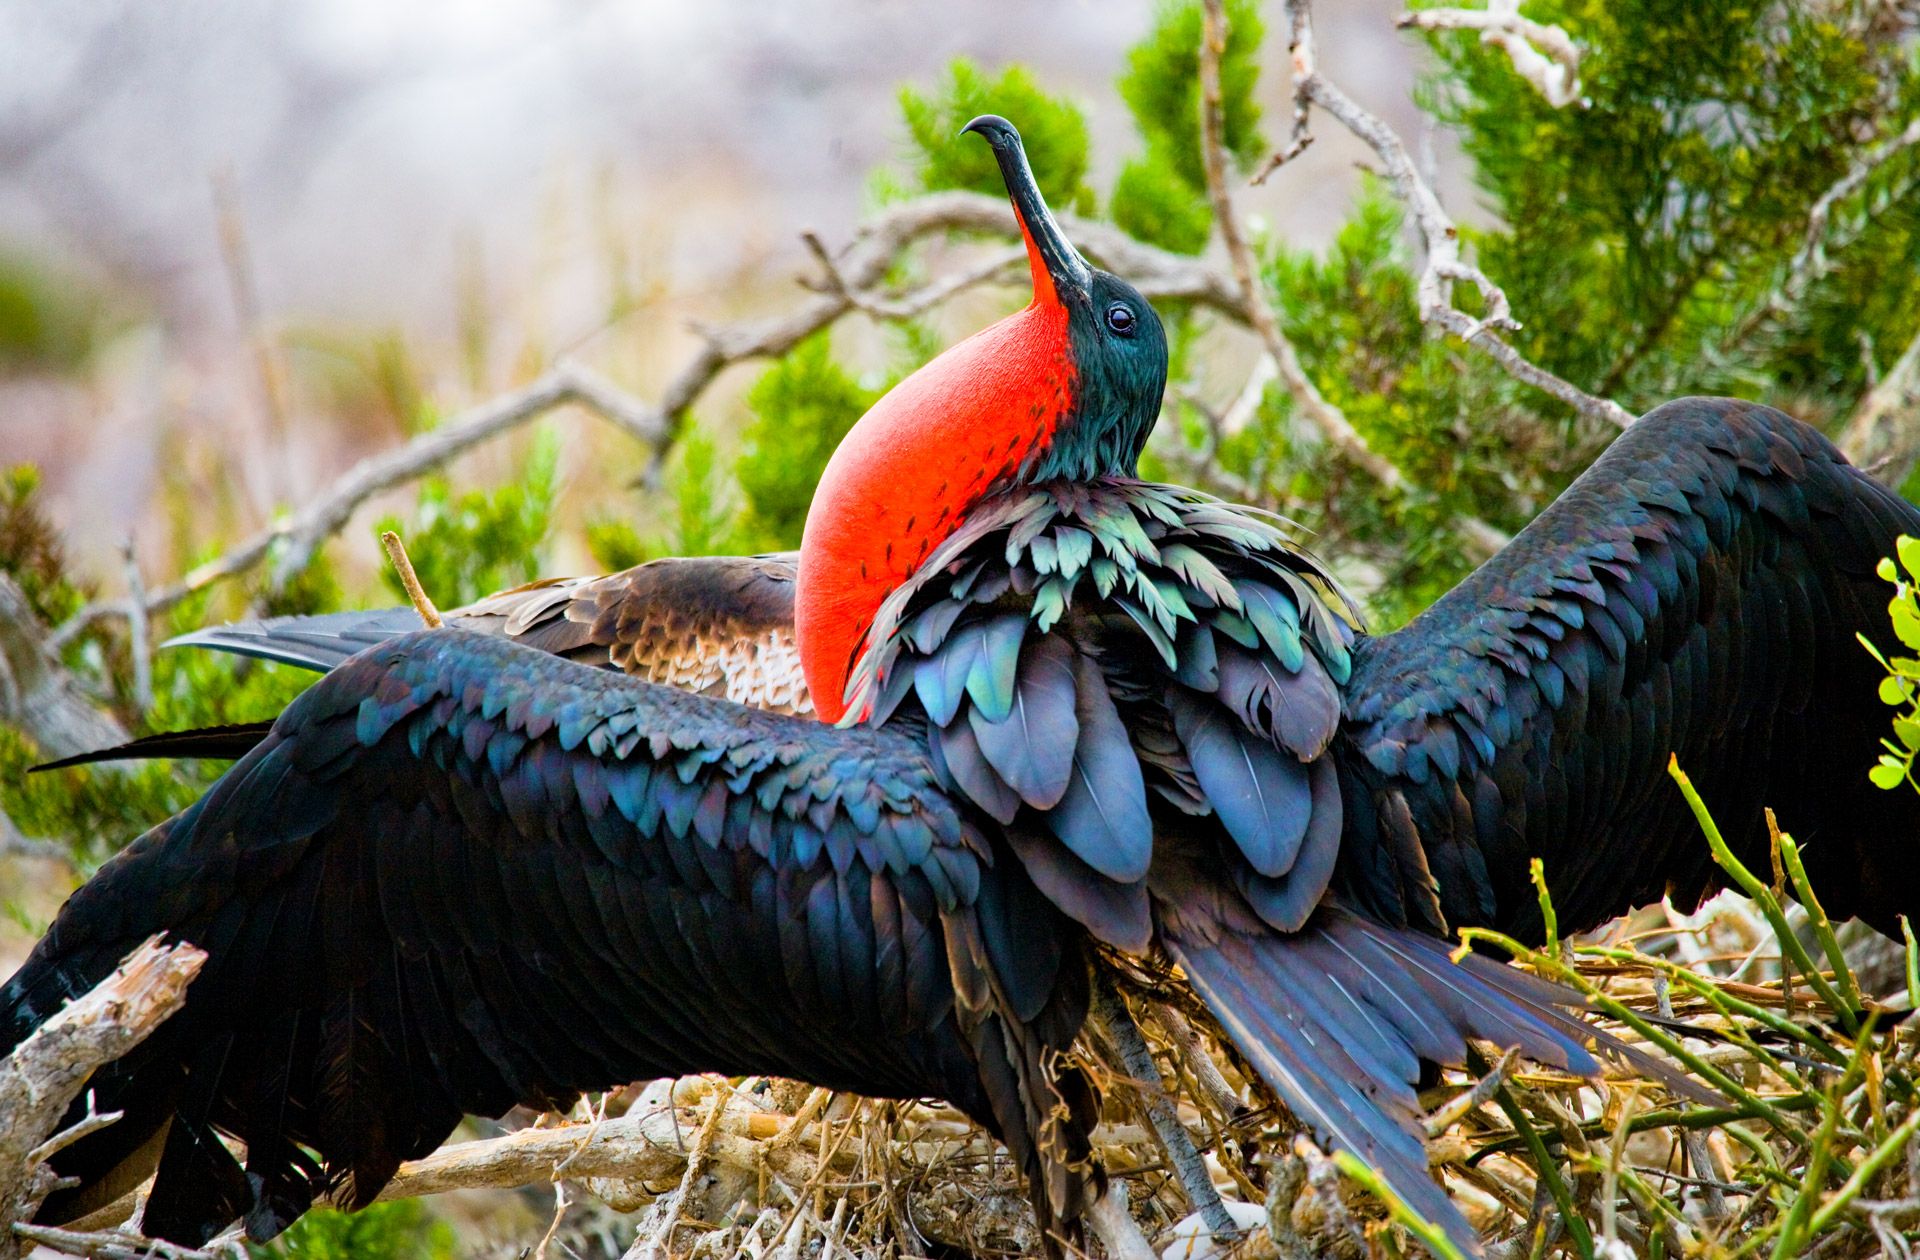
434	197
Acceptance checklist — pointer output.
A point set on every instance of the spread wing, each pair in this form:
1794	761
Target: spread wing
1696	592
718	625
460	874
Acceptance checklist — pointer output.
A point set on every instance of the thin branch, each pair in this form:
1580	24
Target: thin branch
1448	1114
123	1244
1258	312
47	1071
1444	266
1542	54
1323	415
289	544
646	1145
1812	261
139	638
654	1240
1116	1021
409	580
1883	435
912	305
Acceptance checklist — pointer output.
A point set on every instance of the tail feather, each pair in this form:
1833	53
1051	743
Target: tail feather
1338	1018
207	743
317	643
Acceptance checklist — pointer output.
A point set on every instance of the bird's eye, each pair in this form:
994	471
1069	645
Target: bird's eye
1121	319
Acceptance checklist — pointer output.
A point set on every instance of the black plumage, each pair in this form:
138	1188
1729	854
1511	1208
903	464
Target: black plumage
460	874
1696	593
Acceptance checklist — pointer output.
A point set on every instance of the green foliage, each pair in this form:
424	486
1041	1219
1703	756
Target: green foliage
46	322
614	543
1161	195
1901	687
1153	203
1646	230
801	406
475	542
703	503
96	810
1053	128
30	548
1643	238
1161	86
401	1230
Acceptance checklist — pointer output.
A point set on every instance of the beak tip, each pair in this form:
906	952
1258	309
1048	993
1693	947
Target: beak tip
996	130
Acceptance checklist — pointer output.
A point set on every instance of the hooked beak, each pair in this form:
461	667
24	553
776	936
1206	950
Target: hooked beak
1058	268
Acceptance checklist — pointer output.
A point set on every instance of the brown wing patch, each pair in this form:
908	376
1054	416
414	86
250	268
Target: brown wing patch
719	625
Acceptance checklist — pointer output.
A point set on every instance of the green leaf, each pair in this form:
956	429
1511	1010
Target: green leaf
1909	550
1887	773
1893	692
1907	732
1906	624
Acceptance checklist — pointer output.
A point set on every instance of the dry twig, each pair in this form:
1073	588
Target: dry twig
409	580
1444	266
47	1071
1481	537
1542	54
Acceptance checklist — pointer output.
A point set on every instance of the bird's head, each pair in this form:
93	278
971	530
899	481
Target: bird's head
1068	387
1115	345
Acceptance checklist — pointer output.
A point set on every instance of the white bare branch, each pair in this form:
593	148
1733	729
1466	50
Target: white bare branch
1542	54
1444	266
1258	312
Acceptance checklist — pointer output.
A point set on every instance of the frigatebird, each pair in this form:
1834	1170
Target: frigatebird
462	872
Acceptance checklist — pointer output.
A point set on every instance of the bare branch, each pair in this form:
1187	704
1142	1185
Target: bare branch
655	1239
1883	435
289	544
1542	54
47	1071
913	304
1444	265
1811	261
37	694
647	1145
1451	1112
139	639
1116	1022
1322	414
124	1244
1255	308
1115	1227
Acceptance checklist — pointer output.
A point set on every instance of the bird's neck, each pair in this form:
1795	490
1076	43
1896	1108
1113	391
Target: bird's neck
905	477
